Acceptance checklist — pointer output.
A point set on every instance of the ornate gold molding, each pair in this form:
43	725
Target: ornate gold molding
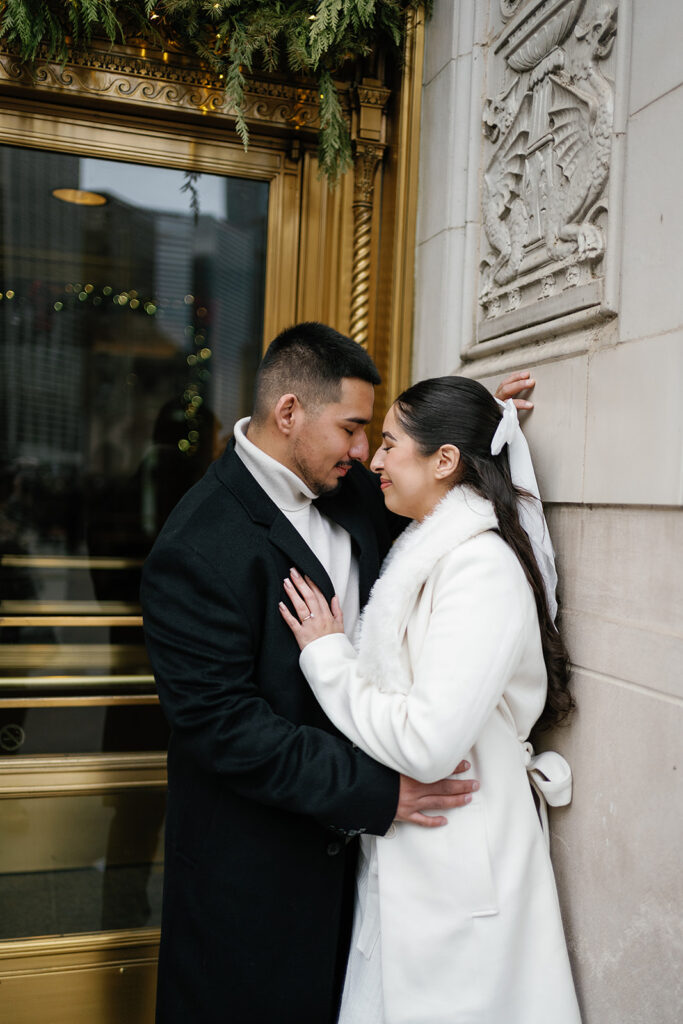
141	77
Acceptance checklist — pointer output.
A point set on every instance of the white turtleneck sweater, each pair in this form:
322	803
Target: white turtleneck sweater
330	542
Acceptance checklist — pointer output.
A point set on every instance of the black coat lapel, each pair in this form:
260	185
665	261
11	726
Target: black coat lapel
234	474
290	541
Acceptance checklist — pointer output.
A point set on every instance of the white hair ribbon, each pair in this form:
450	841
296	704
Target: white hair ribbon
507	428
530	510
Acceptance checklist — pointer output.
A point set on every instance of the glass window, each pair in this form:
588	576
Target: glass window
81	728
81	863
131	319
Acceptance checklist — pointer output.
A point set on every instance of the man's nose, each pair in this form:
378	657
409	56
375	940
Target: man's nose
360	449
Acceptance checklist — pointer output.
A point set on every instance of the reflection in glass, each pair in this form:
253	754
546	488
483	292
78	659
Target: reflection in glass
129	336
119	728
81	863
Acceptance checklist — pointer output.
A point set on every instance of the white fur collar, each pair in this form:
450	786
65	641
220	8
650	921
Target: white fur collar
460	515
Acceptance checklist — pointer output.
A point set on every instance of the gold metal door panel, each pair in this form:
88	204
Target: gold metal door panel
94	979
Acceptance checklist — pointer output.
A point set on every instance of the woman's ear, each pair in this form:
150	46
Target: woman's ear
285	413
448	460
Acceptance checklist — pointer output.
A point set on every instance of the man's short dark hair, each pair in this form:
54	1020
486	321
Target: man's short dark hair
309	360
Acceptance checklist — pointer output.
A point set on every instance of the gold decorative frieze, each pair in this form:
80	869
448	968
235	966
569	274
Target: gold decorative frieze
139	76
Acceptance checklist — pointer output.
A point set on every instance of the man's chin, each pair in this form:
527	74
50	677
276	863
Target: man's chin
328	488
331	485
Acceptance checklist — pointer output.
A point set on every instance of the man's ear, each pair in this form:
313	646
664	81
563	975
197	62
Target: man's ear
286	412
448	460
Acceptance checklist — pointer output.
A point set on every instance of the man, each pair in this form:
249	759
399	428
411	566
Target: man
265	796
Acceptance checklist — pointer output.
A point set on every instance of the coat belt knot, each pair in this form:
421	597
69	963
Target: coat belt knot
551	778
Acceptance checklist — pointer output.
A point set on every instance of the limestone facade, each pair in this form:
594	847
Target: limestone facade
549	237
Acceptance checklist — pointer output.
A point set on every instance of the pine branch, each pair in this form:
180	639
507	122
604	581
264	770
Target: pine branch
334	145
323	29
301	36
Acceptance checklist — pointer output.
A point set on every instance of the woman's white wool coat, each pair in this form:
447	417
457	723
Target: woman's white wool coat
450	666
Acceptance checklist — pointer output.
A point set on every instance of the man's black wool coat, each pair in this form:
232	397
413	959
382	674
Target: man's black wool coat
264	793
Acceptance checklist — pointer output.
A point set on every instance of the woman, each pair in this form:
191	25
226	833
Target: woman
457	657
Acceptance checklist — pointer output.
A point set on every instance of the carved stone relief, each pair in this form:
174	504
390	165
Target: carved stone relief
508	7
548	128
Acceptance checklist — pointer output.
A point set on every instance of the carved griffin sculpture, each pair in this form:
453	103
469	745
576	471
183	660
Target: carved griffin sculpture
574	169
581	123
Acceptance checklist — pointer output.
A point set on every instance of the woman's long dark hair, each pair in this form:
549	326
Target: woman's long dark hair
461	412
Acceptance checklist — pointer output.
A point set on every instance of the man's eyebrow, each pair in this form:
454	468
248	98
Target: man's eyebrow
385	433
356	419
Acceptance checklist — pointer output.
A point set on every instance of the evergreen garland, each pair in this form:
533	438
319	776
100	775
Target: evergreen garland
311	37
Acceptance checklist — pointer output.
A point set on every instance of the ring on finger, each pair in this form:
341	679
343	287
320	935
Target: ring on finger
307	617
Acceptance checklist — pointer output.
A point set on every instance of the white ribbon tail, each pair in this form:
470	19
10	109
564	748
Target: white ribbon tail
530	510
551	778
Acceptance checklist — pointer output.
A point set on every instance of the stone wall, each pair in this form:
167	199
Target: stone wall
513	272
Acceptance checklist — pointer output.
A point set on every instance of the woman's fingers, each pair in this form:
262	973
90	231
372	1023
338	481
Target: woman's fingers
313	617
300	606
293	623
311	594
308	590
513	385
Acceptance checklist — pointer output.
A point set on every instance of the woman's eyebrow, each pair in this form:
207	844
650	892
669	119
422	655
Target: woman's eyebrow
385	433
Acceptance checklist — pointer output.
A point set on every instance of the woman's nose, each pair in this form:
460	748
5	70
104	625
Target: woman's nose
377	461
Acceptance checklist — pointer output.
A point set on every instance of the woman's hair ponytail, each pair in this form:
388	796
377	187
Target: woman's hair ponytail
461	412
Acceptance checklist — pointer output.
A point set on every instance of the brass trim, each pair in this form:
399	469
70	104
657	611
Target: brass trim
81	762
405	220
69	608
80	942
69	655
74	682
85	774
199	147
70	562
22	791
106	700
70	620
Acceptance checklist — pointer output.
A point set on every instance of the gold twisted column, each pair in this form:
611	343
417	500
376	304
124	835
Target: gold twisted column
368	132
368	157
